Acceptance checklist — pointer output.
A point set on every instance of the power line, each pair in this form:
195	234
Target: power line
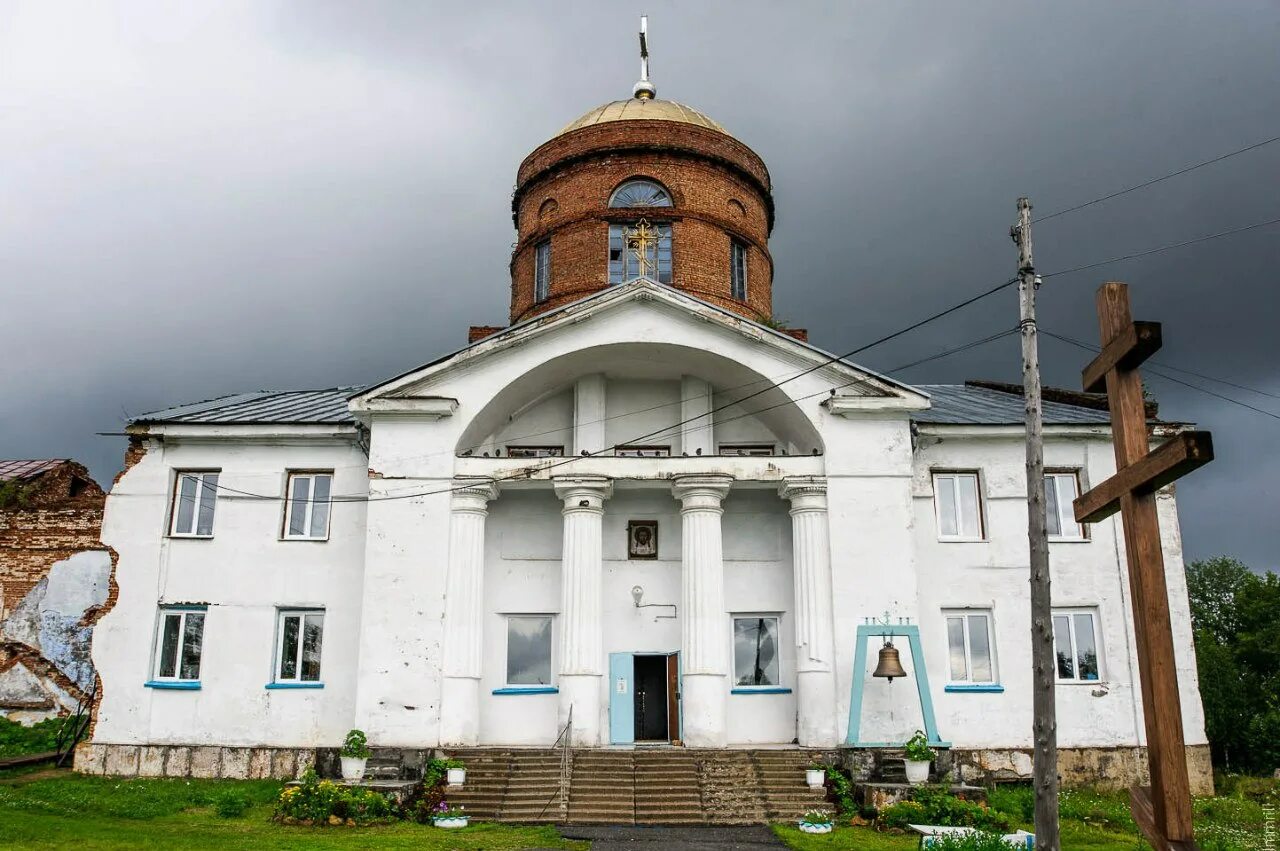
1168	377
1161	248
1156	180
544	467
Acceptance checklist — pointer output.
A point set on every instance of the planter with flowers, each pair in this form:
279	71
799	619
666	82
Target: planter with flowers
816	821
455	772
354	754
450	817
919	755
815	776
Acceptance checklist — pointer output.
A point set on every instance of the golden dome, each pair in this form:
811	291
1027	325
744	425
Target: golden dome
641	109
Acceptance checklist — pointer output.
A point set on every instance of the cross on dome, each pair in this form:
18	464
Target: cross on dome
643	89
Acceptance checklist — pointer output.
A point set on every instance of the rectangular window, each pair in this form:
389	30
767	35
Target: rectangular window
642	452
746	449
625	253
307	512
535	451
194	496
529	650
1075	643
1060	490
956	502
755	651
299	635
969	646
178	643
738	270
542	271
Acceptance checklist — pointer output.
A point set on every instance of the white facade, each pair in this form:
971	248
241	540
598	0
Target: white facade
418	582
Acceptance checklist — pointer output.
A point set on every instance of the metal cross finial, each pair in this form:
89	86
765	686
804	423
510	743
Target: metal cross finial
644	89
640	239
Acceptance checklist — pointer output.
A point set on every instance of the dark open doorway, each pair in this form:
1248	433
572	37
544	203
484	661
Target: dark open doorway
654	697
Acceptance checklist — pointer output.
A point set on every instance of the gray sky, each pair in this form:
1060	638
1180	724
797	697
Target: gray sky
204	198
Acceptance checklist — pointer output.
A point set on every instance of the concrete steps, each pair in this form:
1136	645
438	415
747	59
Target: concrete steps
668	786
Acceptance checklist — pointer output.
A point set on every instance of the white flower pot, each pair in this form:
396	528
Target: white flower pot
816	778
917	771
806	827
457	776
460	821
353	767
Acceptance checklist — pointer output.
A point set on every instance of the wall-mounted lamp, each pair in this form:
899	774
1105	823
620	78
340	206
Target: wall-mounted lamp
637	594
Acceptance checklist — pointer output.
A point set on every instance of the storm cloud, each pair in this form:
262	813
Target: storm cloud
207	198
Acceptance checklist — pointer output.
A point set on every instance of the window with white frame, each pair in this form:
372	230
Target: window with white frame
299	636
1075	644
958	506
750	449
642	451
195	494
1060	491
755	651
529	650
307	514
542	271
179	638
970	648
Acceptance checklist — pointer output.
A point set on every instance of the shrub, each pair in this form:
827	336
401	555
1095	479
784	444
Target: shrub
935	805
17	739
978	841
839	789
230	803
428	804
356	745
1017	801
316	801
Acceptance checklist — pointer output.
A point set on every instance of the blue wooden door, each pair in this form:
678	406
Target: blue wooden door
622	708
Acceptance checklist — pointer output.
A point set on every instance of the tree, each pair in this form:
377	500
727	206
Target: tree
1235	616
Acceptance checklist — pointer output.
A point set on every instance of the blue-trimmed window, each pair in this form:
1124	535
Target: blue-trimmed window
528	651
755	652
179	642
299	638
970	647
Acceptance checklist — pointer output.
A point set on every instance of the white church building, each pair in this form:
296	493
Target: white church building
639	510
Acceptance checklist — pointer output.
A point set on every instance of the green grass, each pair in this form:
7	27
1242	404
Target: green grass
19	739
59	809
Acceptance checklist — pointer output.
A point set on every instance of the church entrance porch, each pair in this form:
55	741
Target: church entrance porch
644	698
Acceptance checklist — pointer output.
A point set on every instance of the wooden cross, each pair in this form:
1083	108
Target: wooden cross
1163	811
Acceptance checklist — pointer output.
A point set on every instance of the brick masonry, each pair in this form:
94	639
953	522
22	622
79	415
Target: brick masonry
200	761
721	192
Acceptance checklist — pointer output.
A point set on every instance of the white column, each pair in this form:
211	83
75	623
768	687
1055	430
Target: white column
814	615
696	419
589	413
581	601
464	615
704	625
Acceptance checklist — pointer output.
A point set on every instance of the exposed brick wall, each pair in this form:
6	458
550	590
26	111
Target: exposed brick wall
721	192
479	332
62	516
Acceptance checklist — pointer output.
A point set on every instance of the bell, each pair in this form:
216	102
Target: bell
889	665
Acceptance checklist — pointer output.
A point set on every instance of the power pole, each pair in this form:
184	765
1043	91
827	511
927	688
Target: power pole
1044	724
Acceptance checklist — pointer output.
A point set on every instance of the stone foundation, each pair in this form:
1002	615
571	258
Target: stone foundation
202	761
1101	768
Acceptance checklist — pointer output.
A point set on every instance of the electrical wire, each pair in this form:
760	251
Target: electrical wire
1166	376
1156	180
1160	249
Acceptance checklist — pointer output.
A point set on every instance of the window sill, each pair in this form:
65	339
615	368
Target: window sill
175	685
180	537
761	690
293	685
304	539
942	540
527	690
1092	683
975	688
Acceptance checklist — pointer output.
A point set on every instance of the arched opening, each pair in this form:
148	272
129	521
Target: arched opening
641	399
640	192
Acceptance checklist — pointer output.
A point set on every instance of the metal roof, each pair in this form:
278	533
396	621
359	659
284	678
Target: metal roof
952	404
294	407
27	469
960	404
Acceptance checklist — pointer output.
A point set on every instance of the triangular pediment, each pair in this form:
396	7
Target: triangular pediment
629	309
